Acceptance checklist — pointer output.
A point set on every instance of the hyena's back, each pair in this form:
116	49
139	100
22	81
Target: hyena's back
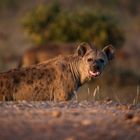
27	84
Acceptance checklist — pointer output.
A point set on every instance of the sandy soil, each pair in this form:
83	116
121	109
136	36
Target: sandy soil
69	121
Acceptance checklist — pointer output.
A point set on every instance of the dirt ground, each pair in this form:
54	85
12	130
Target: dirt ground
73	120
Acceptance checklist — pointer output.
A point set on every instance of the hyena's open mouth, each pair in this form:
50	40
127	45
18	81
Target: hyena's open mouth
94	73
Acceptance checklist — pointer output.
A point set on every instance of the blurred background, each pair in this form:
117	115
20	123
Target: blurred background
32	31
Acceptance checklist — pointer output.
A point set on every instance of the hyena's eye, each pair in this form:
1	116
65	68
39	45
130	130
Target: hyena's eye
102	61
90	60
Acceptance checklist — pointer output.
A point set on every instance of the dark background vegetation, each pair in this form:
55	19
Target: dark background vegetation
25	24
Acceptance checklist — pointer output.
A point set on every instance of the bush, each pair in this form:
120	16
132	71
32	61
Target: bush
49	23
36	23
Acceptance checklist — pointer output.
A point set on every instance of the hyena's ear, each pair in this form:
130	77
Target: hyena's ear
109	51
82	49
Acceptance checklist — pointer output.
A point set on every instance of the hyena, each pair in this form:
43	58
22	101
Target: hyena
57	78
42	53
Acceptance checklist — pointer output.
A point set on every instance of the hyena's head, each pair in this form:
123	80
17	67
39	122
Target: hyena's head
93	61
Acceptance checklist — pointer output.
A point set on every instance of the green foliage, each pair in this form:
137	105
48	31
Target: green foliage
36	23
49	23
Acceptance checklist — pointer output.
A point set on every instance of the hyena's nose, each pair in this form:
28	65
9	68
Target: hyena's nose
96	67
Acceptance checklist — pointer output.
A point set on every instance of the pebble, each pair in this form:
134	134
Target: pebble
56	113
136	120
71	138
129	116
86	122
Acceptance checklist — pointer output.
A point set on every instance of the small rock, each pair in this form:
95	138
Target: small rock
86	122
56	113
136	120
129	116
71	138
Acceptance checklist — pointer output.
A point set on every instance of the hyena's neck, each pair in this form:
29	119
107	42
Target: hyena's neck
74	67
